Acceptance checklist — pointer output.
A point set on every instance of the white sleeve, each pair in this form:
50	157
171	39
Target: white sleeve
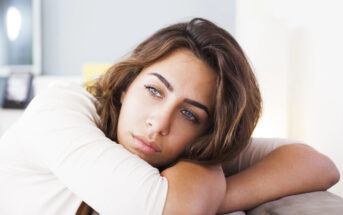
61	136
254	152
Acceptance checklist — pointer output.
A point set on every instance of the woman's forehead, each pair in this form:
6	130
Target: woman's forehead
182	64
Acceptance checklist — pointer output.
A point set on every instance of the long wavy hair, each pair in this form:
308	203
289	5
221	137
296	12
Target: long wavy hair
238	101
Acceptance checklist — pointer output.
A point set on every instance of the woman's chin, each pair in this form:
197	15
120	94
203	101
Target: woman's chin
149	158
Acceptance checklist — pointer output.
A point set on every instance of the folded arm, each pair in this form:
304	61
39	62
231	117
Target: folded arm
194	189
287	170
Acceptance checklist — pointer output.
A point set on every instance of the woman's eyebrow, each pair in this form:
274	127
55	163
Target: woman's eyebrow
164	81
170	88
197	104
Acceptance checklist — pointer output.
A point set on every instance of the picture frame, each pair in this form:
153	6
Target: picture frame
23	53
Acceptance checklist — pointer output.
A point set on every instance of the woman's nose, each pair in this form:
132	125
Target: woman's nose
159	123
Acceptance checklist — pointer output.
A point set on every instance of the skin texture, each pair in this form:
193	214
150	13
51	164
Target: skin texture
159	112
194	189
287	170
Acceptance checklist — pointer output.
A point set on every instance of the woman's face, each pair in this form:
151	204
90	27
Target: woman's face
167	107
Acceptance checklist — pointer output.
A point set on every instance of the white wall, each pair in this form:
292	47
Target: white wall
296	50
85	31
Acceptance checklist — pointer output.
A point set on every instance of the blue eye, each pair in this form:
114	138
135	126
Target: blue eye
190	116
153	91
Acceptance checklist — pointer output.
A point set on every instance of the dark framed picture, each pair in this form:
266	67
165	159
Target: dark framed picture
18	90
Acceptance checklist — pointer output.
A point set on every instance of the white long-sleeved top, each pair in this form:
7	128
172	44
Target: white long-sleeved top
54	157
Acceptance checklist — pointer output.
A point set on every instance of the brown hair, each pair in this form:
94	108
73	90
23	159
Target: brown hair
238	100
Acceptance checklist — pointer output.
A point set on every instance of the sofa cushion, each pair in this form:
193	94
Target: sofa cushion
313	203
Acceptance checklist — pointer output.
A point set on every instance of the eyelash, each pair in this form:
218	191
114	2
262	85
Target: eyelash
151	89
192	117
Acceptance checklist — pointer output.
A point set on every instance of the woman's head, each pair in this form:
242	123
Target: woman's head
166	107
187	91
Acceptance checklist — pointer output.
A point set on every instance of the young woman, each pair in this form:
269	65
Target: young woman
154	137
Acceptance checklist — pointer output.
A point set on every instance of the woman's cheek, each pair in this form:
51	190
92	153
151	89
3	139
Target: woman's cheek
137	107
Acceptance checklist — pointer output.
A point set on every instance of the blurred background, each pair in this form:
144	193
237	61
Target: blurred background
295	48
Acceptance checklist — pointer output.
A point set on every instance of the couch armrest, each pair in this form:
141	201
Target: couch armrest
313	203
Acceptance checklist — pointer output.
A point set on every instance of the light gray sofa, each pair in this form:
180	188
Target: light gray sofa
313	203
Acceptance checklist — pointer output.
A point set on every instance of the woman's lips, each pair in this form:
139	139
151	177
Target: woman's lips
144	145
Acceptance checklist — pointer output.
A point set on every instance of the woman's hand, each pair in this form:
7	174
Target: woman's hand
289	169
194	188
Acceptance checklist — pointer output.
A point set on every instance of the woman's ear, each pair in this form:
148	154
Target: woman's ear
123	94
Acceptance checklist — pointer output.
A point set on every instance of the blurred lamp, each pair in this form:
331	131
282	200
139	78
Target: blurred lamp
13	23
